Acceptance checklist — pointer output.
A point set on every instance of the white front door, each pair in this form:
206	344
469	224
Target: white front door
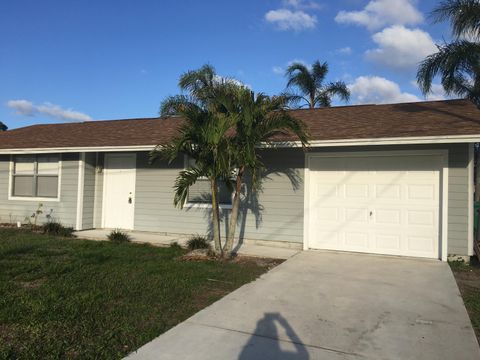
119	191
375	204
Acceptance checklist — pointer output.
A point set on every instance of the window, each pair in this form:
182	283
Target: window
199	193
35	176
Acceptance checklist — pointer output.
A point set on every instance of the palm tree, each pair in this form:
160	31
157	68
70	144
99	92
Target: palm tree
203	136
457	62
3	127
310	84
257	119
254	118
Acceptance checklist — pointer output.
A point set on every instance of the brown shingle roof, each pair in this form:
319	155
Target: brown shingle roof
433	118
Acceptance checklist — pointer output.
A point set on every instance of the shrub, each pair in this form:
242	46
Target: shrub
55	228
175	245
198	242
118	236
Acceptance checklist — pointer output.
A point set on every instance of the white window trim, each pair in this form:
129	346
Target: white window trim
33	198
193	205
443	216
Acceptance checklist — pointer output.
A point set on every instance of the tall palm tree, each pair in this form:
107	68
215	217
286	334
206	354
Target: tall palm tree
313	92
257	119
458	62
203	136
254	118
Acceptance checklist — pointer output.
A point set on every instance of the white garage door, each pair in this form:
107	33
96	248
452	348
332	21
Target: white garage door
375	204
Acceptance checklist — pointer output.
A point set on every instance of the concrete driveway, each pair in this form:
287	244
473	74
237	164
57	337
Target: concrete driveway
322	305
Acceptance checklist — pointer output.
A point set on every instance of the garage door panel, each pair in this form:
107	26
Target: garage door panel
388	191
387	242
377	204
387	216
356	191
357	215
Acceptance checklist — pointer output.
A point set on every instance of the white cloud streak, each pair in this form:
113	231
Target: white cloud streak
27	108
380	13
285	19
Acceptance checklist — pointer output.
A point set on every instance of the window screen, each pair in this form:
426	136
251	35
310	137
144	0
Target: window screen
35	176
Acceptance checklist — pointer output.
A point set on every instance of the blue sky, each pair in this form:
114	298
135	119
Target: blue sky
66	60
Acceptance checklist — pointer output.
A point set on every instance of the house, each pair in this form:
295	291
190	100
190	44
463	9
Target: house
387	179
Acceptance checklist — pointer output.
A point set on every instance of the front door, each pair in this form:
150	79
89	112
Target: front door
119	191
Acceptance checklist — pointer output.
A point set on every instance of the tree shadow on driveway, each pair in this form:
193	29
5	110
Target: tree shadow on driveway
265	342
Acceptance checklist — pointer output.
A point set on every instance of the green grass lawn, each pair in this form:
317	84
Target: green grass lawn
63	298
468	280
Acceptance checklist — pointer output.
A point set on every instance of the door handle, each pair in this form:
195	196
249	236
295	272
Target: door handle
371	213
129	199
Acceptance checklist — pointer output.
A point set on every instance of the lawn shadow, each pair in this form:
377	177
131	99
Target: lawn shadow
264	344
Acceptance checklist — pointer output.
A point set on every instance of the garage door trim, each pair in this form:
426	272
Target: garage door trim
443	231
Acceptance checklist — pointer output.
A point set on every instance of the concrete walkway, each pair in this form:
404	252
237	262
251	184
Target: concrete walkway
165	240
323	305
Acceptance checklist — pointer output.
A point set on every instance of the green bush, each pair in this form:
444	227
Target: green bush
55	228
118	236
175	245
198	242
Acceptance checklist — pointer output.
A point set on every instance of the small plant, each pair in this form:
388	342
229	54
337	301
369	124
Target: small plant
198	242
55	228
36	214
175	245
118	236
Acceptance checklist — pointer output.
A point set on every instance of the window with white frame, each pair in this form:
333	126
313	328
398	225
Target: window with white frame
200	193
35	176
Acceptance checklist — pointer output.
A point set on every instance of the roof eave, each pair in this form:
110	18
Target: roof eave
445	139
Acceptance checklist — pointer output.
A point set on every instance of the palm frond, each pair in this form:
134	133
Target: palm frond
464	16
299	75
449	62
319	72
185	179
340	89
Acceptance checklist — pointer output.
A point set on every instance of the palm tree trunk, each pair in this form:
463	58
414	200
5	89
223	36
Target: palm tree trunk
216	217
232	226
312	101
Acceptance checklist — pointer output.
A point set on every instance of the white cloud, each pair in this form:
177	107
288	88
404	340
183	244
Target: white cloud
379	13
437	92
302	4
27	108
280	70
347	50
285	19
378	90
401	48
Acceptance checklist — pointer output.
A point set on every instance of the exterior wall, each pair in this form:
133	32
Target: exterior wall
279	217
273	214
276	212
154	210
89	191
64	210
98	194
458	200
